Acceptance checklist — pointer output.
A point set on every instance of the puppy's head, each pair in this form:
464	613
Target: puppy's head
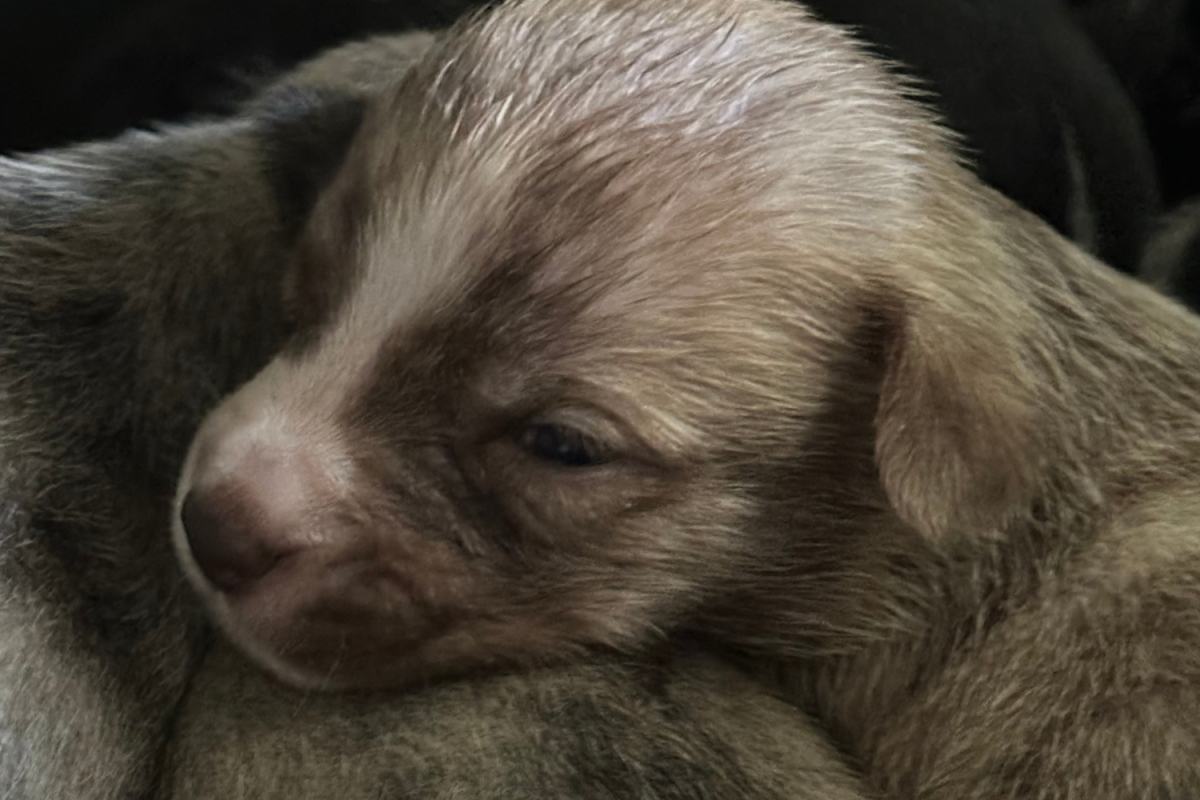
595	275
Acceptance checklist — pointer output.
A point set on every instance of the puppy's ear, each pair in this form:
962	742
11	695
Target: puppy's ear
959	430
305	135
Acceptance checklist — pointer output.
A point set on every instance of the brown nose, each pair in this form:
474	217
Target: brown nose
228	537
248	505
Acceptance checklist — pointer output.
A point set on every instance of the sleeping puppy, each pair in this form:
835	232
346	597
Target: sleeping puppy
632	318
138	281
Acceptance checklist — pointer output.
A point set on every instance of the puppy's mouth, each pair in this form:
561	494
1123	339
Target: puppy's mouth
320	601
316	624
288	571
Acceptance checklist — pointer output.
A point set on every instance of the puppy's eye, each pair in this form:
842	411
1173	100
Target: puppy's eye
561	445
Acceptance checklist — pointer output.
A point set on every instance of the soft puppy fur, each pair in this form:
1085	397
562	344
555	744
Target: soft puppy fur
677	726
686	317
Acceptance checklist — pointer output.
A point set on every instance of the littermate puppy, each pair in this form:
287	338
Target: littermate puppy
633	317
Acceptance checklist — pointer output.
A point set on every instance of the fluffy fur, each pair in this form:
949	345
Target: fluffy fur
826	398
107	361
683	727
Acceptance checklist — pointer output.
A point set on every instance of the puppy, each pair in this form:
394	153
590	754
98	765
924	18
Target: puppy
632	318
138	282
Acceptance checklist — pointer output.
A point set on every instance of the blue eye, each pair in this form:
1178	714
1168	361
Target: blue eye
560	445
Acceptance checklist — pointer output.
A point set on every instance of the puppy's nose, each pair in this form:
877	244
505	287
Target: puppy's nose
227	537
248	506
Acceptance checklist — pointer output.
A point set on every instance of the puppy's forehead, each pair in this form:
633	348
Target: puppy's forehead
583	149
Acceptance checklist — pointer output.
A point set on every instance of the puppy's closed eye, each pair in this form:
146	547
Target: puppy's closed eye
562	445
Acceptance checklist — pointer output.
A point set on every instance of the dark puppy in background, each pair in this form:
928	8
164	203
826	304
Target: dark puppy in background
1154	49
630	319
139	281
1044	118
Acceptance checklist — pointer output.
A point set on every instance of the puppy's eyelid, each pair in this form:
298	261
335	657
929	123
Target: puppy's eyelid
563	445
593	422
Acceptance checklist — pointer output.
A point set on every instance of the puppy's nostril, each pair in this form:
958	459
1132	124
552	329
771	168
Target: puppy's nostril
224	540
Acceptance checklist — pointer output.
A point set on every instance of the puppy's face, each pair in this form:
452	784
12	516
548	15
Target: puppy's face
578	294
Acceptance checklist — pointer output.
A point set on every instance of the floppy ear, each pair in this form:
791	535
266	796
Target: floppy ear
959	428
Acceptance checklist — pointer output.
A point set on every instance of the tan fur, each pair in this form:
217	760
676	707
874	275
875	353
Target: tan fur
863	416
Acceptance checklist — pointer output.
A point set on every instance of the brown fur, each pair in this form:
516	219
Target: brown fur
861	415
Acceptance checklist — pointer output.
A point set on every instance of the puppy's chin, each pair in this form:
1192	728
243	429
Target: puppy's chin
267	657
324	610
322	619
283	625
300	649
224	613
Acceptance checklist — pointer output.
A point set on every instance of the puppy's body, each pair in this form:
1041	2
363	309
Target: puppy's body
683	728
139	281
688	318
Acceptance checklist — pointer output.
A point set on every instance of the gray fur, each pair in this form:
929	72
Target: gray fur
109	354
687	728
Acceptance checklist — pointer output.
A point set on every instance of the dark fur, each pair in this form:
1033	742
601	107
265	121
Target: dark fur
1172	258
855	412
109	355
